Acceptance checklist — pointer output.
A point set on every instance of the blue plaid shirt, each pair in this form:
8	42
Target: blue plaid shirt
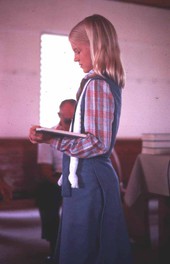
98	119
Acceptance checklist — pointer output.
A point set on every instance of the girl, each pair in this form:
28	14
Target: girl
92	229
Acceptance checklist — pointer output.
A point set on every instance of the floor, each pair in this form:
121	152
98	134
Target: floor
21	243
20	238
154	248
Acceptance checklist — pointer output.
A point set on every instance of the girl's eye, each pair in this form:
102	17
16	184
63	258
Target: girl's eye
76	52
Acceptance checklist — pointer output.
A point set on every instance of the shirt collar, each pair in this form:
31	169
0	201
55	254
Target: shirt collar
91	72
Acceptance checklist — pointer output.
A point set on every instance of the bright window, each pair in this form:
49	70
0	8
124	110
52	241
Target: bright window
60	76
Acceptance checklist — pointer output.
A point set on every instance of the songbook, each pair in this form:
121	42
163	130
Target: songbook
156	143
57	132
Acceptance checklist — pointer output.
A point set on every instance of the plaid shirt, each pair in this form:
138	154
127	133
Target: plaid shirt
99	115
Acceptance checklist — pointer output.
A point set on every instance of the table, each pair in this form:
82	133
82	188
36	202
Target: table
151	174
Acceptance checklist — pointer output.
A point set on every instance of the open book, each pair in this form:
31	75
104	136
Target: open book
59	133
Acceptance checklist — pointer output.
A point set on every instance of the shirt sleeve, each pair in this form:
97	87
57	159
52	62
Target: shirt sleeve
98	119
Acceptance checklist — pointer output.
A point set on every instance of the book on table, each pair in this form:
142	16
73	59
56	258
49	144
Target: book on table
156	136
155	151
156	143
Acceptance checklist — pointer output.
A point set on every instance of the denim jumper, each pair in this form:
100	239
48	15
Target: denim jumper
93	228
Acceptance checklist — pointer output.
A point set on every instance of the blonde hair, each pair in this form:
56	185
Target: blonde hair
101	35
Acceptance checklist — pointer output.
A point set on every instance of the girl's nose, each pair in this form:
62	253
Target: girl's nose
76	58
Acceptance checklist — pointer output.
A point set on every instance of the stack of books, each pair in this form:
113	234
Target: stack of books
156	143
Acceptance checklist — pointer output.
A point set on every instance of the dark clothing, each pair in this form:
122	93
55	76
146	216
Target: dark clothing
49	200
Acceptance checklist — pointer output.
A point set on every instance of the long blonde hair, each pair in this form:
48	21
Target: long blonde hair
101	35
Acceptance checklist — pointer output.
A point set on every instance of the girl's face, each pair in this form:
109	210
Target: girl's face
82	55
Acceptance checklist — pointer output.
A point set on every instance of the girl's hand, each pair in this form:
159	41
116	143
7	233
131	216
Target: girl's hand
36	137
59	126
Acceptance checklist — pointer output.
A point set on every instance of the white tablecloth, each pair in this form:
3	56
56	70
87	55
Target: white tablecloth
151	173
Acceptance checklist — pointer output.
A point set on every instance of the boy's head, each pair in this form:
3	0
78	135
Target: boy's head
66	112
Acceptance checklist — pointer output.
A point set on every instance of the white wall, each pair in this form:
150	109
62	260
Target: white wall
144	36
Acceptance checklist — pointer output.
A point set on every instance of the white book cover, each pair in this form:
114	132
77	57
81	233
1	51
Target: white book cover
156	151
59	133
156	136
156	144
